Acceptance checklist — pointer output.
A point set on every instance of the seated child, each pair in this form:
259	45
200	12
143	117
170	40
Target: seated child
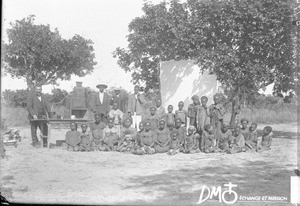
170	117
72	138
163	138
244	127
208	140
85	144
266	140
251	139
237	142
178	128
127	138
111	137
153	118
147	140
97	133
191	141
225	137
175	144
181	114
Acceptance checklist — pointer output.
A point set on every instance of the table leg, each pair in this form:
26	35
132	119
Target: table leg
49	134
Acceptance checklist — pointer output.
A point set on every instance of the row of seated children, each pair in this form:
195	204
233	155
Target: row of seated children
164	139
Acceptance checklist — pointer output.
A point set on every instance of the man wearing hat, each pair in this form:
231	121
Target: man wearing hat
120	98
38	108
135	109
100	102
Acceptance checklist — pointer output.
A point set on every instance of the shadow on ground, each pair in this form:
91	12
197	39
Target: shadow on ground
254	178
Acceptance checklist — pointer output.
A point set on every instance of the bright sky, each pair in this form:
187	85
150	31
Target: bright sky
105	22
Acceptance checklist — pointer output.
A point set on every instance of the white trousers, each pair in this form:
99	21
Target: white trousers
136	119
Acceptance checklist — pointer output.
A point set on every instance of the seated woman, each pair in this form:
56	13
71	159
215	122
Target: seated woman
127	137
266	140
163	138
96	129
110	136
191	141
146	140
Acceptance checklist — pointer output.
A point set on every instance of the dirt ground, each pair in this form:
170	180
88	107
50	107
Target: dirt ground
57	176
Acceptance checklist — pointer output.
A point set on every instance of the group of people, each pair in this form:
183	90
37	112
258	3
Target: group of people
200	128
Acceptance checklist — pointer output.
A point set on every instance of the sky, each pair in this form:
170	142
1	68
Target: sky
105	22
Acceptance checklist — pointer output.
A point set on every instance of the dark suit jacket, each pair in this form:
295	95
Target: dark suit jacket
37	107
101	107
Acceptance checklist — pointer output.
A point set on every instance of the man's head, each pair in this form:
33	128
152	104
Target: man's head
267	130
38	91
101	87
158	103
136	89
147	126
141	126
180	105
97	118
115	105
253	127
244	123
237	131
152	110
204	100
127	122
177	122
117	91
195	99
162	124
217	98
170	108
110	122
73	126
83	127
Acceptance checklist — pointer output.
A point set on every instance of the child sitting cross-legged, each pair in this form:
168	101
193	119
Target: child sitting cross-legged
251	138
85	144
225	137
266	139
208	140
191	141
163	138
128	137
175	144
237	142
146	141
110	136
72	138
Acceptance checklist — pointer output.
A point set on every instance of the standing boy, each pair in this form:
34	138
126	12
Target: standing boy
135	109
182	114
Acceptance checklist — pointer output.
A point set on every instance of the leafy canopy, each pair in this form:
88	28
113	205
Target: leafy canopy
42	56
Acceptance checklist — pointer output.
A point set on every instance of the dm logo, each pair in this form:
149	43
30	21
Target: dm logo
228	196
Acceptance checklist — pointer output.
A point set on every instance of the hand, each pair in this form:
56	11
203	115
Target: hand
34	116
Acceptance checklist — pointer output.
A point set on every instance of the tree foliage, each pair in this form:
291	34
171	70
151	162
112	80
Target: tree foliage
246	44
42	56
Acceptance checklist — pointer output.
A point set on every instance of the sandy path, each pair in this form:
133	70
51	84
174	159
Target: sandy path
58	176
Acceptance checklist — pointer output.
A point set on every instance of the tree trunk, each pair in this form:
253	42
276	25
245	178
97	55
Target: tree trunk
235	109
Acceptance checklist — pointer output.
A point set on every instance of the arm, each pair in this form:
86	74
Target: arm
30	106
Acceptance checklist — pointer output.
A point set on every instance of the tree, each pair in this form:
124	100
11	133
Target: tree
42	56
246	44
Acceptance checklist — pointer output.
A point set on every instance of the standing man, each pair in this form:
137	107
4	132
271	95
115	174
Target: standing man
38	108
136	103
100	102
120	99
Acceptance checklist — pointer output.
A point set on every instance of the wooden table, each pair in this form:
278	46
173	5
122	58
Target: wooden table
52	122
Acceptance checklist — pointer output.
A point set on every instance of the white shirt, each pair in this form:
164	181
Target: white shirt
40	98
101	97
